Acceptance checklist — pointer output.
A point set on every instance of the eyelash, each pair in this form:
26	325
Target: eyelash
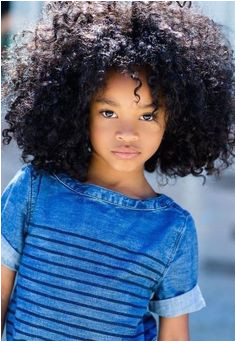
110	111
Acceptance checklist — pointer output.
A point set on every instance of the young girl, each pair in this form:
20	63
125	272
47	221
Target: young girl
99	93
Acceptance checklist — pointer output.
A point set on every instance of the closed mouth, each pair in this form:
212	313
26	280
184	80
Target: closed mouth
126	152
125	155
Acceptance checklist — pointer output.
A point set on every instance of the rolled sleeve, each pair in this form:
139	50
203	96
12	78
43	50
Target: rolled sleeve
9	256
15	205
178	292
188	302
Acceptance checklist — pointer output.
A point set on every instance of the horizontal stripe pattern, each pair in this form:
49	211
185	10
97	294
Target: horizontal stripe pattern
74	287
104	243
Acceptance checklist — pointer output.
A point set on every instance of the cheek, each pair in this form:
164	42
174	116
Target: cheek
153	136
99	133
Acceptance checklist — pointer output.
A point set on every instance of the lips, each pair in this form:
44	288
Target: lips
126	150
127	153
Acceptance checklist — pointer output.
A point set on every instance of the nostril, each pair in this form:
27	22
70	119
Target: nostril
127	137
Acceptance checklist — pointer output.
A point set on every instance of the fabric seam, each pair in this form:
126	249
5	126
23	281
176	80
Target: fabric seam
29	204
101	201
172	255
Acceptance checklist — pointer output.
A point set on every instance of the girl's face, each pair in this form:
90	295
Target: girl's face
123	133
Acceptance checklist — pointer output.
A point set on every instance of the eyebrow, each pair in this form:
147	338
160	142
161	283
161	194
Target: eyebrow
115	104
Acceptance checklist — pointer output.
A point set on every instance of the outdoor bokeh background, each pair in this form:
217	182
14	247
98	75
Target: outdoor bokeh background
211	205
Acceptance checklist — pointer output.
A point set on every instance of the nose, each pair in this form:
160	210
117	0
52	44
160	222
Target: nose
126	135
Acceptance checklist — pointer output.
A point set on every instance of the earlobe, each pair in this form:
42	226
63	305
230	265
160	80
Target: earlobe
88	145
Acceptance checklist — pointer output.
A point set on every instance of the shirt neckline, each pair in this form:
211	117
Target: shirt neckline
103	194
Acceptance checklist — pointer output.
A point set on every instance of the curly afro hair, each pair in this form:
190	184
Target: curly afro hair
52	73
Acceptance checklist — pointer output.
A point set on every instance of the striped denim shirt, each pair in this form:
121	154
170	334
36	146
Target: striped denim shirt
93	264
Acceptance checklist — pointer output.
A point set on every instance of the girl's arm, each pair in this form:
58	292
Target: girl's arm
173	328
7	282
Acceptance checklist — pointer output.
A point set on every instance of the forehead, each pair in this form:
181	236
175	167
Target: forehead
121	87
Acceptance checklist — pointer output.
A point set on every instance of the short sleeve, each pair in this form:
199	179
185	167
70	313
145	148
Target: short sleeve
15	204
178	292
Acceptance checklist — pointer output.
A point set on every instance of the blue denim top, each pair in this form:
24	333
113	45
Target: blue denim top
93	264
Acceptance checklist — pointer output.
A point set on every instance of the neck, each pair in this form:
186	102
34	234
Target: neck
132	183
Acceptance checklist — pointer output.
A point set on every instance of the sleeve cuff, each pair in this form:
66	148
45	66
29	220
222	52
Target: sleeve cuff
9	256
185	303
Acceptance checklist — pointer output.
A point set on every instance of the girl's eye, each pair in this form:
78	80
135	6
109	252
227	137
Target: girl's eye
148	117
107	113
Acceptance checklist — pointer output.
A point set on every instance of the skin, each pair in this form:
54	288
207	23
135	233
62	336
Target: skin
7	283
123	125
174	328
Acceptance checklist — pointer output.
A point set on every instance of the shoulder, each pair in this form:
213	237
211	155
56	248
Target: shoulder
28	173
23	182
16	197
187	238
20	182
177	210
23	174
172	205
179	217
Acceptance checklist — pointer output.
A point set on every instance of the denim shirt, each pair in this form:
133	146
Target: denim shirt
93	264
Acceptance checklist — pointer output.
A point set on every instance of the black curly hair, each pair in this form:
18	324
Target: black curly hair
52	73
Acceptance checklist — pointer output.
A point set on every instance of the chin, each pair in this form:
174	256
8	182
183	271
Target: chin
125	167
